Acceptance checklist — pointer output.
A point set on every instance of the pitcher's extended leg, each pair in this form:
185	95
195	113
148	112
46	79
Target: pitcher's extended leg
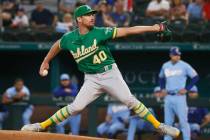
89	92
117	88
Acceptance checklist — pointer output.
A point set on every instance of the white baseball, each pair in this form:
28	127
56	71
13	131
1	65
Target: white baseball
45	72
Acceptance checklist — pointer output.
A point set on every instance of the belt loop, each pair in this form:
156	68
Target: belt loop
106	68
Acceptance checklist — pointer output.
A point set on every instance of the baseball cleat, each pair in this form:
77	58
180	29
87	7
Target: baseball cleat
36	127
168	130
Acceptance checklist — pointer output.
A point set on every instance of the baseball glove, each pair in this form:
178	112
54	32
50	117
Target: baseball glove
165	33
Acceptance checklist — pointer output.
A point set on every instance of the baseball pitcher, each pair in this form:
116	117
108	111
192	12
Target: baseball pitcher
88	45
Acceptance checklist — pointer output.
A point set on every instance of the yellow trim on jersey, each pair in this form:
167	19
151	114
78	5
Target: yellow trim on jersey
59	44
81	58
114	33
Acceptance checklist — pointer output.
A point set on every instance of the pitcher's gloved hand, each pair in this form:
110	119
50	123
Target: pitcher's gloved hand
165	33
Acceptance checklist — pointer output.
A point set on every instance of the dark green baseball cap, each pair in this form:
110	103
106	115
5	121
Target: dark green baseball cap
83	10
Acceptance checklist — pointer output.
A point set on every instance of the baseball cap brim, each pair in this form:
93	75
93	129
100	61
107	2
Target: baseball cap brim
91	12
84	10
174	51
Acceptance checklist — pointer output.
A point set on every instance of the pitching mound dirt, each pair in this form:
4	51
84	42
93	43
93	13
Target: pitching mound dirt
20	135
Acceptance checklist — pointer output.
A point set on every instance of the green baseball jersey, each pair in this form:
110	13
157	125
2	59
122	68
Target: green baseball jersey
90	50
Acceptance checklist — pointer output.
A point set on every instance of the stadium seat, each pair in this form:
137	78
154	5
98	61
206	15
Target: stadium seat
1	35
195	27
191	36
140	7
135	38
150	37
205	36
135	20
177	37
177	25
9	36
25	36
42	37
55	36
207	25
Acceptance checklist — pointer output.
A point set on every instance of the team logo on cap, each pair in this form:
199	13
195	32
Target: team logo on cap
177	50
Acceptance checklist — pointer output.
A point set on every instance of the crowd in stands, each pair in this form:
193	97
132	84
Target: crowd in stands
35	15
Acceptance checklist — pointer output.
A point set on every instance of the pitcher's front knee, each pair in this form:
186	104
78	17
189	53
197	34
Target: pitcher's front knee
75	109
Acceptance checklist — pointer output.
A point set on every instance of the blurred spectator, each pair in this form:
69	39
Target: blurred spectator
20	20
198	117
158	94
178	11
67	6
3	114
195	11
187	2
9	6
158	9
41	17
206	10
66	25
19	93
117	114
8	10
80	3
67	89
95	4
109	2
86	1
138	124
120	17
6	19
103	17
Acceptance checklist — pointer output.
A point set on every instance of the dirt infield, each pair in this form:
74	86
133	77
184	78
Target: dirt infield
19	135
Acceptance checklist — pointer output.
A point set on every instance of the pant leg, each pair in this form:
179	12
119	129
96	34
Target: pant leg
60	127
114	85
88	93
169	114
27	115
103	128
182	112
74	122
132	128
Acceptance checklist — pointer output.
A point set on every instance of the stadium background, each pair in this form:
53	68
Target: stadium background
139	59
